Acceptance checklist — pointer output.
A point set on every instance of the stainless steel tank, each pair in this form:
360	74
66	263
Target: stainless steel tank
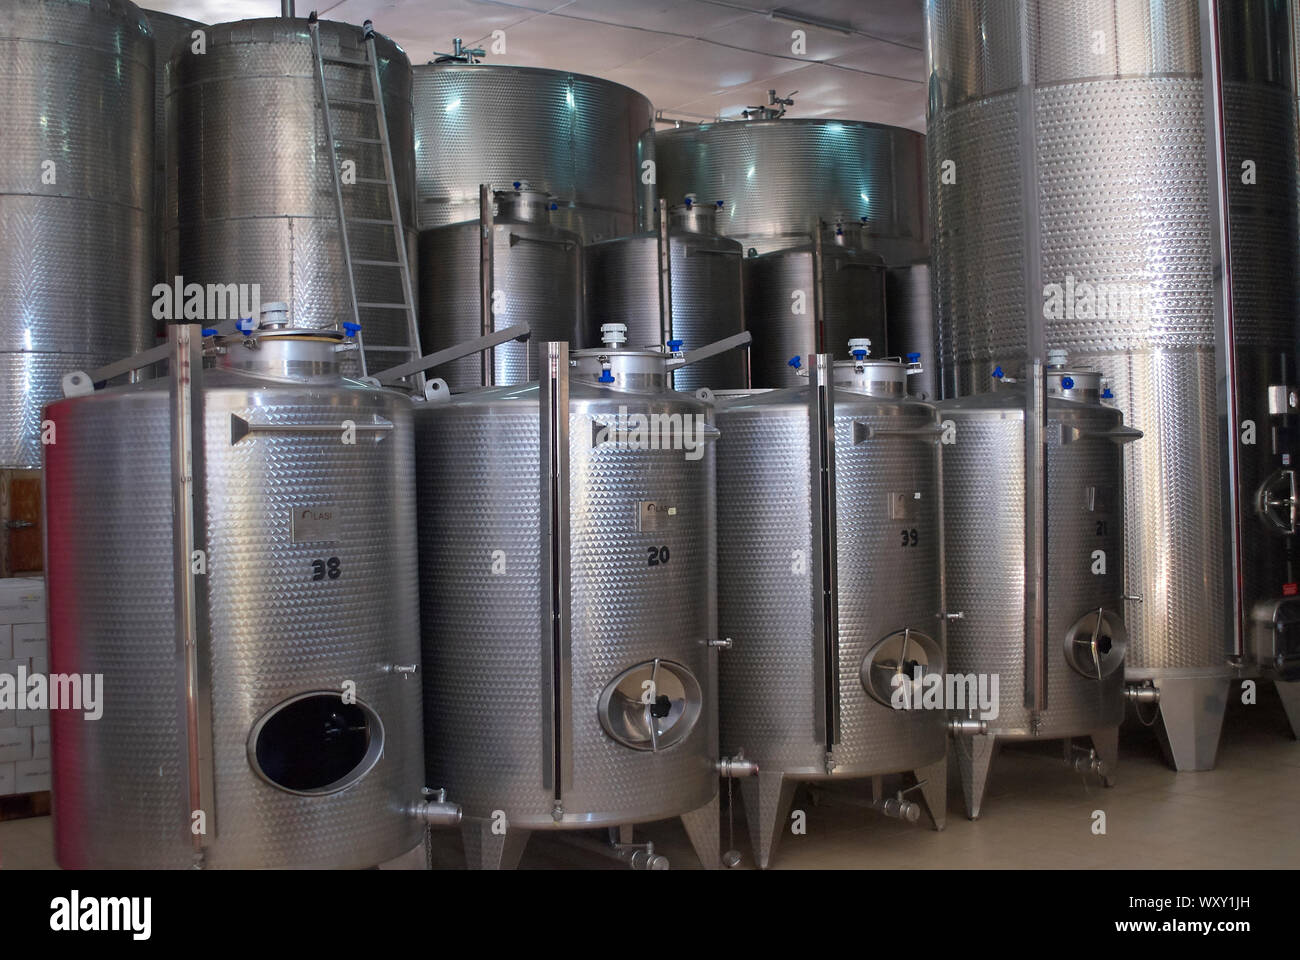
76	201
586	141
806	299
1088	187
829	585
567	602
536	276
308	546
706	293
909	324
259	207
984	555
168	32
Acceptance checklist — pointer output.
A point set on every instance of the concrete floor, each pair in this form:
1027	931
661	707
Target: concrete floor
1037	814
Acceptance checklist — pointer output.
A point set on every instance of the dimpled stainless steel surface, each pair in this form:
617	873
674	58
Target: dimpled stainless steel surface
581	139
536	271
984	523
120	781
481	581
168	31
767	595
1123	196
779	177
255	200
780	311
707	292
910	325
74	253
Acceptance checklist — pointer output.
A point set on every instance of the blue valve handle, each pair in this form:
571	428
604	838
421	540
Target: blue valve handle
350	328
794	362
913	358
1107	395
209	331
1067	383
674	345
517	184
997	373
605	377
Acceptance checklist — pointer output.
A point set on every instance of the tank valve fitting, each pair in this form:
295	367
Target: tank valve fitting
1086	761
638	856
968	727
434	810
737	766
1057	357
404	669
1142	693
859	348
724	644
899	809
613	335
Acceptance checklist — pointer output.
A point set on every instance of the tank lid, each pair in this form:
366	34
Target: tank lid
693	216
523	204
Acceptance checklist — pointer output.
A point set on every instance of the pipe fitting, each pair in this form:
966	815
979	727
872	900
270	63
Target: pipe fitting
1141	693
968	727
899	809
737	767
435	811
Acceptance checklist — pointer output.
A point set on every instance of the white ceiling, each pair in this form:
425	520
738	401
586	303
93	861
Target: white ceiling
694	59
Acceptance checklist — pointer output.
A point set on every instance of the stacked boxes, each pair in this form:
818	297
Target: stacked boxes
24	734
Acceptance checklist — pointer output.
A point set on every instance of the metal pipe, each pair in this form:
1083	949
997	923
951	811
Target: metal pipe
638	856
486	280
743	339
553	397
286	9
519	331
1141	693
821	390
737	767
435	811
968	727
665	276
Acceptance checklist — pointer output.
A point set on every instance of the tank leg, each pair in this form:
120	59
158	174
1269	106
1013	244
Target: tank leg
625	833
767	799
702	826
1106	743
934	790
485	850
1290	695
1191	720
974	759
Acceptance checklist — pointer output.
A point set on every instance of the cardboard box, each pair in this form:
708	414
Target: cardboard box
9	718
6	642
22	600
8	780
31	776
15	744
29	641
41	743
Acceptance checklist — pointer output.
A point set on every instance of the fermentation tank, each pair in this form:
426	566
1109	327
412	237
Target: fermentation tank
984	550
780	177
567	589
76	201
168	32
1102	181
801	300
829	586
536	276
296	592
259	207
705	279
585	141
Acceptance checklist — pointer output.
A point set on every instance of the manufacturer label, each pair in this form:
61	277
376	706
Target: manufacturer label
315	524
653	515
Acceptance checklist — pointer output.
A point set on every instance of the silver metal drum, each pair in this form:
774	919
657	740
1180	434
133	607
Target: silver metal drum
76	201
168	32
706	302
310	550
805	299
259	207
564	565
984	547
536	277
1094	195
829	585
584	140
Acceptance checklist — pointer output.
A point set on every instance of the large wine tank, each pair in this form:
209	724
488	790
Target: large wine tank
566	570
585	141
259	207
1129	185
805	299
536	276
168	32
829	579
625	284
76	201
984	555
780	177
307	729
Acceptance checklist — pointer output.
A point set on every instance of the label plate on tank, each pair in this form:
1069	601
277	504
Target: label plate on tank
654	515
315	524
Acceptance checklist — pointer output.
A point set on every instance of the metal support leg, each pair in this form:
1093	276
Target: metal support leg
934	790
767	798
703	827
974	759
1289	693
1191	719
625	833
485	850
1106	743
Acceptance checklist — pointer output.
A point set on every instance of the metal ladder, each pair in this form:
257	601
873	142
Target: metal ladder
369	63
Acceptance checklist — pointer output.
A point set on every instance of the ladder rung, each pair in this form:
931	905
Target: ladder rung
341	139
370	349
335	99
383	306
386	223
377	180
348	61
376	263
